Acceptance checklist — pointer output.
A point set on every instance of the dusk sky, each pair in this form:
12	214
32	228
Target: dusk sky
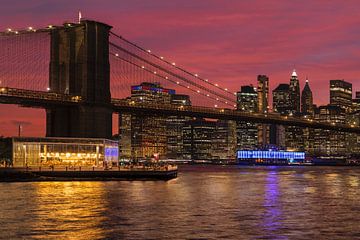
229	42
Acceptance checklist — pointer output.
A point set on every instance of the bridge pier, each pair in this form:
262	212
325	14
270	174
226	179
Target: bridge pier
79	65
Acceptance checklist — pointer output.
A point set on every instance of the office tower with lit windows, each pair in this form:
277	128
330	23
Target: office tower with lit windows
341	94
356	102
294	93
289	136
307	103
148	134
197	139
175	124
328	143
247	132
224	141
263	93
263	106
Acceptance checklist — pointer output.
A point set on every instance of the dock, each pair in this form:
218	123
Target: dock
35	174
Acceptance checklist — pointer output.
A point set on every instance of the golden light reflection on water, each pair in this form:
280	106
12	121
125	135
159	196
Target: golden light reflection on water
75	206
202	203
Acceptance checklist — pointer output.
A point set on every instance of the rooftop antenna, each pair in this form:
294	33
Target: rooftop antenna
80	16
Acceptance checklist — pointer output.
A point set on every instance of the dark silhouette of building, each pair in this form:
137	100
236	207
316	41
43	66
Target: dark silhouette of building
281	99
79	65
307	103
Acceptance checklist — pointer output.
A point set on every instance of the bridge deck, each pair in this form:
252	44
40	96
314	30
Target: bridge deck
29	98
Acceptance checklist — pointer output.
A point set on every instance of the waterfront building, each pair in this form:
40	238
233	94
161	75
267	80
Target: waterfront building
198	135
307	103
224	141
247	132
148	132
294	93
125	149
263	107
65	152
209	140
175	124
273	157
341	94
328	143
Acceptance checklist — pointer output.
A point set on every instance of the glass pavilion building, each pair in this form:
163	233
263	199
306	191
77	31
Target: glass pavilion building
37	152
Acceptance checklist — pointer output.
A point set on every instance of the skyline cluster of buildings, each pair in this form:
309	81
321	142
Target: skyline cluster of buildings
288	100
182	137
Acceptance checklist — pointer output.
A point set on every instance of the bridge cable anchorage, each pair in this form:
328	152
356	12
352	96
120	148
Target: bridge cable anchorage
172	64
170	80
156	66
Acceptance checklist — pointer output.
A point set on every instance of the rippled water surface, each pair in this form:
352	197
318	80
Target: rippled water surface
204	202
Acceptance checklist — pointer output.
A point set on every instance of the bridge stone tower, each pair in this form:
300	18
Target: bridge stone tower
79	65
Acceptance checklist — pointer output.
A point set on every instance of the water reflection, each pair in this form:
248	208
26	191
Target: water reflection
203	203
273	213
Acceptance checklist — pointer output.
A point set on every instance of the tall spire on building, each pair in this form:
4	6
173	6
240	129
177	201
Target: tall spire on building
80	16
294	92
307	99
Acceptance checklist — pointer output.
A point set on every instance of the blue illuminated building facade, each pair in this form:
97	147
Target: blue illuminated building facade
270	157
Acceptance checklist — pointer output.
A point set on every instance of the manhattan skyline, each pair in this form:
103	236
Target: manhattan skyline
229	43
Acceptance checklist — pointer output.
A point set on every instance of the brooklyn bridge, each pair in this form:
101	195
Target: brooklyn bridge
81	73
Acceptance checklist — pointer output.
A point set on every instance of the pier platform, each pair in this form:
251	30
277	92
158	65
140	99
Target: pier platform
87	173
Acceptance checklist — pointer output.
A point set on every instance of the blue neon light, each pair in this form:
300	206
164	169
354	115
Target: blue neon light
111	152
270	155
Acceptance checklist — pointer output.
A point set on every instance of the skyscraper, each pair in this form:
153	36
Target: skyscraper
198	135
263	106
283	103
281	99
329	143
294	93
247	132
307	104
341	94
263	93
175	124
148	134
247	99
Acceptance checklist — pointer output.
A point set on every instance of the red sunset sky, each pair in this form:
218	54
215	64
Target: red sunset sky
230	41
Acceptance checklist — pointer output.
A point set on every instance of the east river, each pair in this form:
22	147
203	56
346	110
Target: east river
204	202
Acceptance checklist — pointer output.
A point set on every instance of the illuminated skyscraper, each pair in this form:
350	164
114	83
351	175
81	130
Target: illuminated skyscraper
328	143
263	106
294	93
263	93
341	94
247	132
198	135
175	124
307	104
148	134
